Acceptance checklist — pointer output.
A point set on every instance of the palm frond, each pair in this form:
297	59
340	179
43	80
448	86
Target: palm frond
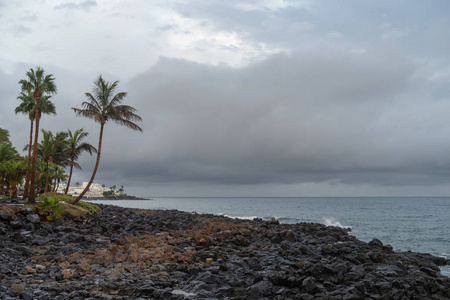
128	124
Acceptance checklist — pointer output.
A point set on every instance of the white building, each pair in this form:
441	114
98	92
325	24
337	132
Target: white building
95	190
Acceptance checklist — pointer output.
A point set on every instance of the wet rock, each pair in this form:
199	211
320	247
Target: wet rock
308	284
26	295
26	211
16	223
18	238
5	217
17	288
376	243
33	218
67	273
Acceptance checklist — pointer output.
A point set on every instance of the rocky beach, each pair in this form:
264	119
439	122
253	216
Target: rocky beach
125	253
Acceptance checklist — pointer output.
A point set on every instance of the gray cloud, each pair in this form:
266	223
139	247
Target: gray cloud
305	117
29	18
85	5
20	29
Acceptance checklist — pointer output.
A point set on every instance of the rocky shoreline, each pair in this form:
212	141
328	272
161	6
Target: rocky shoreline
150	254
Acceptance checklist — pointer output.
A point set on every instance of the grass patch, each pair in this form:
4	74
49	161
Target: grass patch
8	209
53	206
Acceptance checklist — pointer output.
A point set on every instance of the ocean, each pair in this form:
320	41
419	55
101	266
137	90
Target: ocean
407	224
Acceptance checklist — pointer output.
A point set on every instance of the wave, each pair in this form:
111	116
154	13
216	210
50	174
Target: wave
445	270
239	217
334	222
285	220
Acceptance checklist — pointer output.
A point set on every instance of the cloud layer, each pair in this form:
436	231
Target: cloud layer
248	98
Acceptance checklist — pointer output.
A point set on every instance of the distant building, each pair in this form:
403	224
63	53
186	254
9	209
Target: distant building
95	190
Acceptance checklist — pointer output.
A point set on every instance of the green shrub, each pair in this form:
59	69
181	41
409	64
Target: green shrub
61	197
50	208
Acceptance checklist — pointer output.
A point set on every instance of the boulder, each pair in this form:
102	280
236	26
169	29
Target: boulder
33	218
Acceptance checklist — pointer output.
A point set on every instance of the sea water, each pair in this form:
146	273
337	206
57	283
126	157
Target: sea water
407	224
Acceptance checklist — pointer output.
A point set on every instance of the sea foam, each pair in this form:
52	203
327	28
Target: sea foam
333	222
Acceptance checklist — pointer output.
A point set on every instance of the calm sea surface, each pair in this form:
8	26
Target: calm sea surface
416	224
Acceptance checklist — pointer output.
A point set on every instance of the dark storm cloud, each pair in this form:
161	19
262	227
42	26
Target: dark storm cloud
85	5
305	117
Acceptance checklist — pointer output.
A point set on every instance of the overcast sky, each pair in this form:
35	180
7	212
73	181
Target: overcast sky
246	98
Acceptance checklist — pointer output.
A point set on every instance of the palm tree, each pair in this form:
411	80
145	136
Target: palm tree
60	154
58	176
14	172
52	151
103	106
75	147
28	107
4	135
40	175
7	153
39	85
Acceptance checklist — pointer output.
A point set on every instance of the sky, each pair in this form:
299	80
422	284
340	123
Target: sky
246	98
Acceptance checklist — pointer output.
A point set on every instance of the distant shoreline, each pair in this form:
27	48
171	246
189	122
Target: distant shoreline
115	198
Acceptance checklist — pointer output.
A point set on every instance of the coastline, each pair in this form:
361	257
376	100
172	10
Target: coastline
126	253
116	198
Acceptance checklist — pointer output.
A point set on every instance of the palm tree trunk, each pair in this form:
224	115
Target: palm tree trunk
32	194
55	188
14	191
2	183
99	150
46	177
8	190
26	189
70	177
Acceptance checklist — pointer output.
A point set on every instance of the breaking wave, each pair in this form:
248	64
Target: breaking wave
334	222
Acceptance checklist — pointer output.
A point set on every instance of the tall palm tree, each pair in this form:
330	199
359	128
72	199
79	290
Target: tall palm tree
74	148
103	106
4	135
28	107
39	85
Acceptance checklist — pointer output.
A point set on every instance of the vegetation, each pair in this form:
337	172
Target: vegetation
75	147
13	173
8	157
103	106
108	193
4	135
55	205
43	169
28	107
51	150
38	85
